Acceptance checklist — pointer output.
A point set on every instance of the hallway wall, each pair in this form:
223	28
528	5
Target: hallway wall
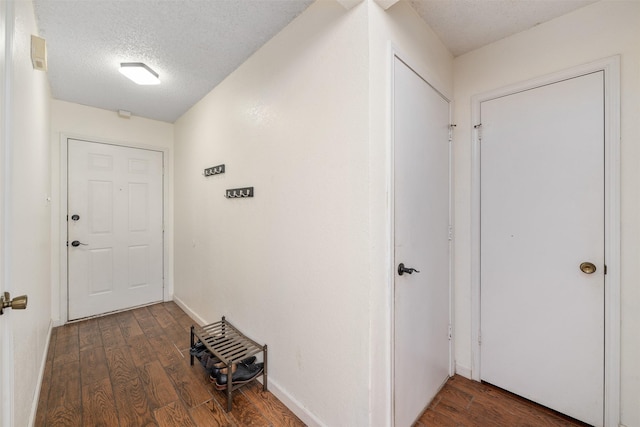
289	267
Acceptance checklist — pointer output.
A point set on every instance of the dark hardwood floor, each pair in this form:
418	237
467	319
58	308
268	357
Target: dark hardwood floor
466	403
132	369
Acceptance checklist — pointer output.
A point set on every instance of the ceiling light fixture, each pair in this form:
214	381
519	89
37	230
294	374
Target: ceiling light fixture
139	73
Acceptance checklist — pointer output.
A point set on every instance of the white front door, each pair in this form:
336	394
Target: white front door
421	216
542	216
115	227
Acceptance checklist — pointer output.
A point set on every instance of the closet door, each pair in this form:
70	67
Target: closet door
421	212
542	245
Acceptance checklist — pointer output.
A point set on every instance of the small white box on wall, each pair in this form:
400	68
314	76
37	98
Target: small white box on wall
39	53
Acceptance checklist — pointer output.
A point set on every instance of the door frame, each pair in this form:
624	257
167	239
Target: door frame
167	292
430	79
611	68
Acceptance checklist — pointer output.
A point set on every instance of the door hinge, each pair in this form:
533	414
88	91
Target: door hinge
450	232
478	128
480	338
450	332
451	126
605	269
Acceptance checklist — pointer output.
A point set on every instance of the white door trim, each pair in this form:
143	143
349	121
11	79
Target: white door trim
167	226
430	79
611	68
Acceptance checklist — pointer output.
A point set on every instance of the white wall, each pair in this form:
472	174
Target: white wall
415	42
290	267
597	31
94	124
28	233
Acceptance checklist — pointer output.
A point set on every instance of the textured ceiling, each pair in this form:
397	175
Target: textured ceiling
465	25
194	44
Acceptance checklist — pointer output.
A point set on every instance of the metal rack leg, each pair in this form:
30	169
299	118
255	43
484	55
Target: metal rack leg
229	386
192	344
264	368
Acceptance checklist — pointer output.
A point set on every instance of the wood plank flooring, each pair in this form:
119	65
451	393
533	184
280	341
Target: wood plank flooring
132	369
466	403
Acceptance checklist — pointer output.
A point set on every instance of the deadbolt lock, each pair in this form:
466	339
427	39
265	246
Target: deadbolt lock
18	303
587	268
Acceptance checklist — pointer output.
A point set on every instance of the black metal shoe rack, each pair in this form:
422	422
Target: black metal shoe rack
229	345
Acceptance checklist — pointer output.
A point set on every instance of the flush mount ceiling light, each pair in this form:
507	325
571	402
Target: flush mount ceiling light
139	73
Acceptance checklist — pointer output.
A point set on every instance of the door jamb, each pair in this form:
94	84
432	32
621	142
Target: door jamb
432	81
167	291
611	68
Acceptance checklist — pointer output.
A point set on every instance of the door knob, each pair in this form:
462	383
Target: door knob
77	243
402	269
18	303
587	268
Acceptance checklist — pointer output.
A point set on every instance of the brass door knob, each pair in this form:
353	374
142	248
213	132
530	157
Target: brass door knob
18	303
587	268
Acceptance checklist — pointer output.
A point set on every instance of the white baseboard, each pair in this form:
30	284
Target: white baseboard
463	371
301	412
289	401
189	311
43	364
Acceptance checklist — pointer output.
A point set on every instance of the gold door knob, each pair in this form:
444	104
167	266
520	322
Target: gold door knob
587	268
18	303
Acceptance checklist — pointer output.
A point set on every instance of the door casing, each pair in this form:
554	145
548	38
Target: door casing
63	289
611	68
394	52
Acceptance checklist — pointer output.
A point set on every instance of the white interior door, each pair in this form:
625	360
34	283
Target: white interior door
421	215
6	351
542	216
115	216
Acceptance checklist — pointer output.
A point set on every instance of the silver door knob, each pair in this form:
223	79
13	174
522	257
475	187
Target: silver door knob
18	303
587	268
